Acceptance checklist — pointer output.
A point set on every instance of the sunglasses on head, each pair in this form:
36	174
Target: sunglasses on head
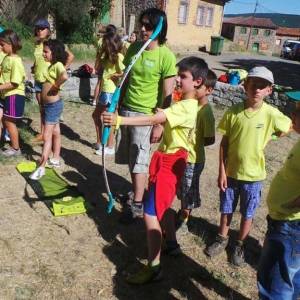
147	25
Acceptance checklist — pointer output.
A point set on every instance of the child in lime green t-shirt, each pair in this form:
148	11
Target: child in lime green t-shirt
54	52
279	268
188	192
168	162
246	127
12	88
111	62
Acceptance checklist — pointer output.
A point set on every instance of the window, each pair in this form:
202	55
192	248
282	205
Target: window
243	30
209	16
278	42
255	31
267	32
182	13
200	18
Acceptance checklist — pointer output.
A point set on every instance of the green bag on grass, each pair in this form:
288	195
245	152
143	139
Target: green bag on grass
65	199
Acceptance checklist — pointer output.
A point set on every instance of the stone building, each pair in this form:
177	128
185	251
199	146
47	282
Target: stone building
283	34
256	34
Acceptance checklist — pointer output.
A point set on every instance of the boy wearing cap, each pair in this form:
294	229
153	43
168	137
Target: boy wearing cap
246	128
279	268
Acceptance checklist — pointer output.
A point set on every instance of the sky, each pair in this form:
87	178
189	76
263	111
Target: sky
264	6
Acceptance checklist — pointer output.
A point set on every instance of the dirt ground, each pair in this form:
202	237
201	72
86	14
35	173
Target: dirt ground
87	256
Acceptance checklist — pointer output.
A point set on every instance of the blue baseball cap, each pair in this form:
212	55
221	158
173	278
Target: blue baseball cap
42	23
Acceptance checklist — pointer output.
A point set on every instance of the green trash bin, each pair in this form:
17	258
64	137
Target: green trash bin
216	45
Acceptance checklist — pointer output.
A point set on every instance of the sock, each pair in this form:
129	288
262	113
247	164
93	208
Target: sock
137	204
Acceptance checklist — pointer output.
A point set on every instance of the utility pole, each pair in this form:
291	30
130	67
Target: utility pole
251	26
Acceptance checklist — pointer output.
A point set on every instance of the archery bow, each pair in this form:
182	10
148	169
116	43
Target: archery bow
112	107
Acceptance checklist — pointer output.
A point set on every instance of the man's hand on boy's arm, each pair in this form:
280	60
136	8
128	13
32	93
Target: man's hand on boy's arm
222	179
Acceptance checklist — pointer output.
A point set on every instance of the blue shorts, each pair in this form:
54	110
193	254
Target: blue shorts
105	99
53	111
14	106
149	203
249	193
38	86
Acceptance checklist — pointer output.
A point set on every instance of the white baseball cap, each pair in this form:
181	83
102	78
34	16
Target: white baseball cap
262	72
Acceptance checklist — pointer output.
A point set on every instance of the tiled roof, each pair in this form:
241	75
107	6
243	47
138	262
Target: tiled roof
288	31
250	21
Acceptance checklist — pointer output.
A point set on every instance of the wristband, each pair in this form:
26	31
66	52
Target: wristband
118	122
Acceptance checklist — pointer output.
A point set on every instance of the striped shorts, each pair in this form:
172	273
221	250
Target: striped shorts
14	106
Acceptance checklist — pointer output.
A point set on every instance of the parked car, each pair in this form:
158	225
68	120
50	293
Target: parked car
295	53
287	47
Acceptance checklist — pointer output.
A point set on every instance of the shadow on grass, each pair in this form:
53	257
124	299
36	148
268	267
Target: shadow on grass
286	73
69	133
207	232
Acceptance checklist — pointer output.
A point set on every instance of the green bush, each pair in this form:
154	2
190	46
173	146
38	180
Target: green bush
23	31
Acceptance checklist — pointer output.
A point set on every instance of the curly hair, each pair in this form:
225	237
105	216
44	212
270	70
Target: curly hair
58	51
10	37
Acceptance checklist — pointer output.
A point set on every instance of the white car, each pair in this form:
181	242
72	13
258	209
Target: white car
287	47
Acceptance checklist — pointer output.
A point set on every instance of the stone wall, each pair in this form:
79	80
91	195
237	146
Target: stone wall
228	95
79	89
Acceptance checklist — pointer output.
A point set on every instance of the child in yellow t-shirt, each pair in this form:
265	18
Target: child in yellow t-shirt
2	55
42	33
279	268
188	192
12	87
111	61
246	127
169	161
54	52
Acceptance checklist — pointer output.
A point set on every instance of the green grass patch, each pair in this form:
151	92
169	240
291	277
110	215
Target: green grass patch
83	52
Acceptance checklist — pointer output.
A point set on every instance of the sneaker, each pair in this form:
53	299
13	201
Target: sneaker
172	249
132	213
126	198
11	152
238	255
107	151
37	174
52	162
218	246
97	146
94	103
145	275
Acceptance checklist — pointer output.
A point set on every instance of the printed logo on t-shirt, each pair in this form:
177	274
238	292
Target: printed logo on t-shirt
149	63
260	125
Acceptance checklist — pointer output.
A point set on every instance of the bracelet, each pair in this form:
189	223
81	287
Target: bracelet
118	122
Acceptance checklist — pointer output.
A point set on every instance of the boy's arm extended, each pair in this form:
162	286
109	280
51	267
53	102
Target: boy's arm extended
110	119
222	179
